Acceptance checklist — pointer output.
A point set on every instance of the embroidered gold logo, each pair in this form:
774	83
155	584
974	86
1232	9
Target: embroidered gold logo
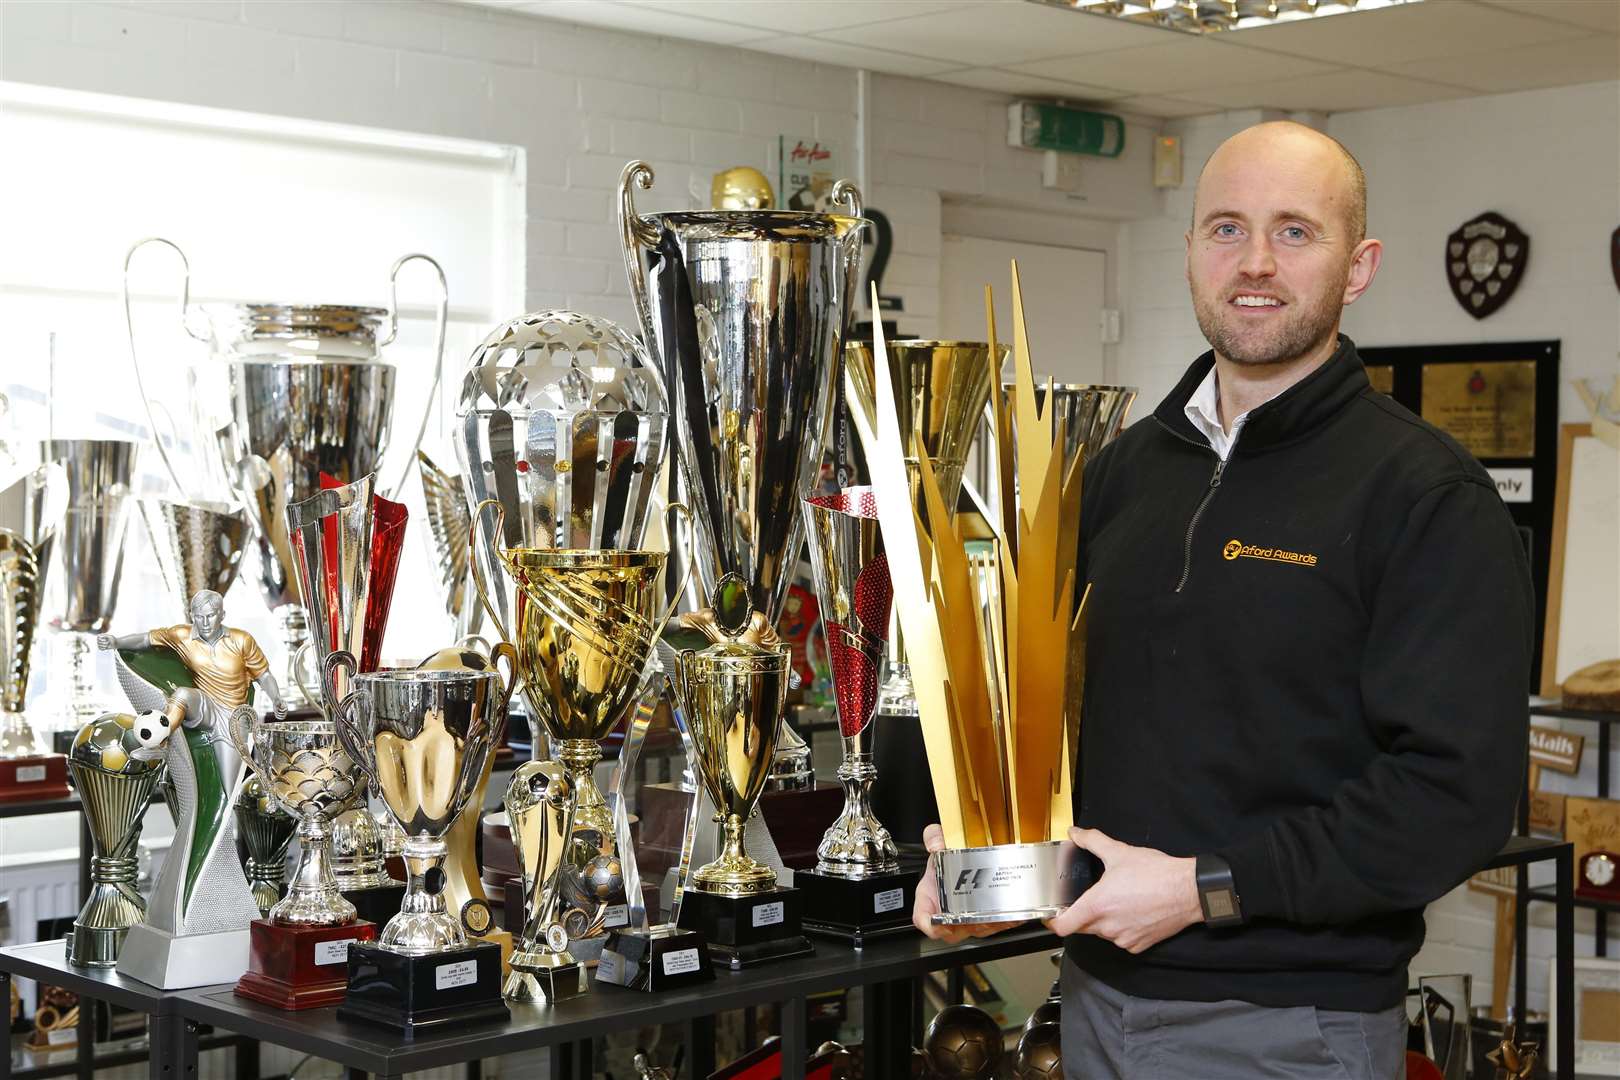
1237	549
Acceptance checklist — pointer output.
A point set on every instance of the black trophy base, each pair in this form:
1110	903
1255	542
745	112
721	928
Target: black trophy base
746	930
424	993
655	959
857	910
376	903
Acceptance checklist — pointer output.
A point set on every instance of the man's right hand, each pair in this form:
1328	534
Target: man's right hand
105	642
927	903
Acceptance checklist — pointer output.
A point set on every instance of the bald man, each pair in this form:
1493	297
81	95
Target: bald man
1310	630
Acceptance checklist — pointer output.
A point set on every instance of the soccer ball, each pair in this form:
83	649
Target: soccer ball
963	1043
1040	1053
110	742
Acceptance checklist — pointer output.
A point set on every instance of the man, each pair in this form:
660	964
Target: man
1309	638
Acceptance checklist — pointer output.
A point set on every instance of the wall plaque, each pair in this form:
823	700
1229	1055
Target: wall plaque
1485	260
1489	407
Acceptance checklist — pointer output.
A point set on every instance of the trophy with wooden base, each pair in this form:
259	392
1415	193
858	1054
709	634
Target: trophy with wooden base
25	771
733	693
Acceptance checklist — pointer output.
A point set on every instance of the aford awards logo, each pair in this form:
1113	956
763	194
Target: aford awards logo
1237	549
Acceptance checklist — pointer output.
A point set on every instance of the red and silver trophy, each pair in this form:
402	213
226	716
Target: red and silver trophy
857	889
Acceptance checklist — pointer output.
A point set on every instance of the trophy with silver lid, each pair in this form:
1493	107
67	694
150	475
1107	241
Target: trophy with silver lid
287	394
745	312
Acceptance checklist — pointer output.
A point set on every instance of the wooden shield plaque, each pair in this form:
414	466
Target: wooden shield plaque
1485	260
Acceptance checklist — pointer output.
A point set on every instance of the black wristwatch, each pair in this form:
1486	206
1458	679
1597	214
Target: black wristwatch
1217	895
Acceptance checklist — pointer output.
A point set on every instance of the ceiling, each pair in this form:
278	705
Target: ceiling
1392	56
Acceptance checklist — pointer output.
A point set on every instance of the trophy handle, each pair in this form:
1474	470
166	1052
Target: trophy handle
340	660
686	578
312	691
475	534
440	321
134	355
636	232
509	651
350	734
241	727
845	192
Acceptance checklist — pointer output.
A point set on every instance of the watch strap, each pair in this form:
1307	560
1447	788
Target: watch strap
1217	893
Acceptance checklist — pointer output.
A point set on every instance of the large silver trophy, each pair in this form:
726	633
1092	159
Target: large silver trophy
114	773
86	562
288	392
745	312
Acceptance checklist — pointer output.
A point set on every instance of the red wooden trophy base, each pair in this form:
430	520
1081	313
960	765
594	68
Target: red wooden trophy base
300	967
38	776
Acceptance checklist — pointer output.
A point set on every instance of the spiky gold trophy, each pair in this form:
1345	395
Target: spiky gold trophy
1000	742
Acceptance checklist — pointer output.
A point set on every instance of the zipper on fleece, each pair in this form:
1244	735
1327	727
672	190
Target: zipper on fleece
1192	523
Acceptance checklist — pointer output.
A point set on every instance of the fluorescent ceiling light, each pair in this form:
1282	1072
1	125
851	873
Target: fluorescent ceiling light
1215	16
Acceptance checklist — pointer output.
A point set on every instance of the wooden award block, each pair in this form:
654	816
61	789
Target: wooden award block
38	776
300	967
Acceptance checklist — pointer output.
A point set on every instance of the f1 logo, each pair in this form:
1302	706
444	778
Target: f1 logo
968	880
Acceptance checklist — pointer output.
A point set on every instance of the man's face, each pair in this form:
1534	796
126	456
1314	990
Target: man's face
1268	256
206	618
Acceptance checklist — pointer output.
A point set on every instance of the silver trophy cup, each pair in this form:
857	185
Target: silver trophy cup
745	311
87	560
288	392
423	737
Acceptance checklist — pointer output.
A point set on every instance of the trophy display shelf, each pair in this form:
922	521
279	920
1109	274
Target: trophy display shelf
300	967
33	777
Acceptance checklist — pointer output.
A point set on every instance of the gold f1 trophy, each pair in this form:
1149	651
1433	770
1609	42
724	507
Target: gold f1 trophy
733	693
982	624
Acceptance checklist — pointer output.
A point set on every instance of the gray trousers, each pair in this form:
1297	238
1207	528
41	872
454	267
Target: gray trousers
1108	1035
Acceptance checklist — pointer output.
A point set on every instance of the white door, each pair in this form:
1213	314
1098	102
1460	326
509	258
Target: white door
1063	301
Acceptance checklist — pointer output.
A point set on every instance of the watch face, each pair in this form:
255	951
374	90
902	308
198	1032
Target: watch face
1599	870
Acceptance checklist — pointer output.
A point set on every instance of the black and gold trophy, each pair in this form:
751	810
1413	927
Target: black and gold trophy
732	693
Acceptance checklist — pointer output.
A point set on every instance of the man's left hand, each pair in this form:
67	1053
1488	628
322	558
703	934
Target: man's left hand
1143	896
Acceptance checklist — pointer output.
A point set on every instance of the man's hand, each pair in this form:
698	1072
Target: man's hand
105	642
1143	897
927	902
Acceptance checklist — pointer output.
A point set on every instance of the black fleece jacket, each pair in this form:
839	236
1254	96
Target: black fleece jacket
1313	661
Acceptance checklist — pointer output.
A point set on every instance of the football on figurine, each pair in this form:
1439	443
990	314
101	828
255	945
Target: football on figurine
963	1043
113	742
1040	1053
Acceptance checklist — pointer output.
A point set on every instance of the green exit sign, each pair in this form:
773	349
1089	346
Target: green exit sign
1036	125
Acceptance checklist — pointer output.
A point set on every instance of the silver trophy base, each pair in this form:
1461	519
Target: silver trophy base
175	962
1009	882
95	946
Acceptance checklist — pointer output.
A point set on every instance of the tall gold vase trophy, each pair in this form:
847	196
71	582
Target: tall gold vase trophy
999	731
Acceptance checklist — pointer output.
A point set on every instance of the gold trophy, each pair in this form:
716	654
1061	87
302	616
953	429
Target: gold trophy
981	622
586	624
733	692
540	806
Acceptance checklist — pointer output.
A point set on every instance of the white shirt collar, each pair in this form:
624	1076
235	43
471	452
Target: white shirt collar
1203	409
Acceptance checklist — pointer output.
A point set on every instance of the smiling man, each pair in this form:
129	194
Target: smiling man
1309	640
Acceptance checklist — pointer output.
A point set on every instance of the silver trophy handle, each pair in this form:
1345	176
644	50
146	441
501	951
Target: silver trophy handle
440	323
350	732
636	232
241	727
134	355
474	534
845	192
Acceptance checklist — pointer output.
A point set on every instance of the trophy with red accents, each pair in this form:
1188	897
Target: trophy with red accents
857	890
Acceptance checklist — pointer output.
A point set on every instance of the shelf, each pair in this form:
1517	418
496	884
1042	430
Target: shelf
1593	715
1549	894
46	961
1521	850
107	1055
381	1051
